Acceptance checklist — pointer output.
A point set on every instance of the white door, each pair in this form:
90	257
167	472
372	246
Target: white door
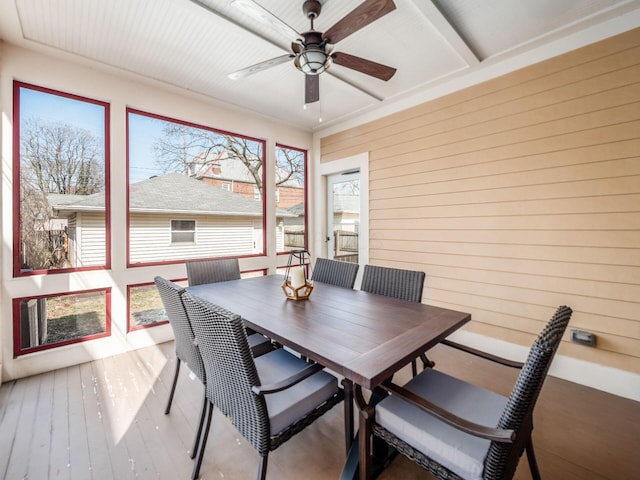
343	216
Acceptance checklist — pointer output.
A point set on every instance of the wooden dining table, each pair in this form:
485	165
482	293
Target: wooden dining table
360	336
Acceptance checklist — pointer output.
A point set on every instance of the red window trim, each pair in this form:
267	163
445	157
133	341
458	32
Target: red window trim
132	328
194	125
306	194
19	351
17	271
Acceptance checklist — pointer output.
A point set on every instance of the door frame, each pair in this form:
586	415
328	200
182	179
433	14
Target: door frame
356	162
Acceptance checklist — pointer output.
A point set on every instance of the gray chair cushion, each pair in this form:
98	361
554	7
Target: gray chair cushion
259	344
460	452
294	403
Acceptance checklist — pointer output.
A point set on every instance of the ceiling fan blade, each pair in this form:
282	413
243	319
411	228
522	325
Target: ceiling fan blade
362	65
267	18
367	12
311	88
258	67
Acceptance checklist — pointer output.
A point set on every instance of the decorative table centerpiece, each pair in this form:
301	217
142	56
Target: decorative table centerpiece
295	285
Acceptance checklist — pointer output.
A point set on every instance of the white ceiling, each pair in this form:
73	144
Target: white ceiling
180	43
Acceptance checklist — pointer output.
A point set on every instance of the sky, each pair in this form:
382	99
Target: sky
143	129
89	116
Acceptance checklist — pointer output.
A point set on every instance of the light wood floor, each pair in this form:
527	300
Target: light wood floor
104	420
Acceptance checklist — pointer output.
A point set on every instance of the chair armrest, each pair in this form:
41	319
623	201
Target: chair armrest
287	382
485	355
493	434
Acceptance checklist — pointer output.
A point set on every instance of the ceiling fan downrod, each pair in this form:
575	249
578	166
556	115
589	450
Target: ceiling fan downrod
311	10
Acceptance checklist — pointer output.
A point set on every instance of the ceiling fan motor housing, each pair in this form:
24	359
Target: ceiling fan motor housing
313	58
311	9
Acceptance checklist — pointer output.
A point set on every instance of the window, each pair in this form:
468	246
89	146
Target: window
45	322
183	231
180	173
61	182
291	221
256	194
145	306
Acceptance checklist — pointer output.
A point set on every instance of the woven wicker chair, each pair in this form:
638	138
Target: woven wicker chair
186	350
333	272
223	270
269	399
212	271
396	283
457	430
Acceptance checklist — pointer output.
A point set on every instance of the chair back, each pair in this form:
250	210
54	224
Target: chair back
502	459
212	271
393	282
186	349
333	272
230	369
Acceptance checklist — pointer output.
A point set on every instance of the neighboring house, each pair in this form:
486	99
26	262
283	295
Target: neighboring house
85	227
231	174
172	217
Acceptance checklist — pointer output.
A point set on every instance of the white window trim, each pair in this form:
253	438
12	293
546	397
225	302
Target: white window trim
321	172
171	230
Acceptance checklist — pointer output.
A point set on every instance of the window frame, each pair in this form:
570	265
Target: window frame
306	193
173	230
17	150
19	351
266	188
130	326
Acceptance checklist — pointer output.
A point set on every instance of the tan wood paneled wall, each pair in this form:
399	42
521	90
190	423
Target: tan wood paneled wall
518	195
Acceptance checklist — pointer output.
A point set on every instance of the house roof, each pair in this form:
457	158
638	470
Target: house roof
171	193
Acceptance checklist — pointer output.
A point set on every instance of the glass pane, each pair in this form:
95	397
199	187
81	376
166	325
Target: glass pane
182	237
344	217
176	167
184	225
145	306
61	319
290	199
62	181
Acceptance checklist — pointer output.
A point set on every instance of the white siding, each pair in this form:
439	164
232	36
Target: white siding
150	238
518	195
91	240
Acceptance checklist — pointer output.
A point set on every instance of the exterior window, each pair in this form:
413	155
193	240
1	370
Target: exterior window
45	322
61	182
183	231
291	221
178	169
145	306
256	194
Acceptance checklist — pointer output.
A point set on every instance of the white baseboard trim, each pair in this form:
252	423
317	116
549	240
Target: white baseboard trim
611	380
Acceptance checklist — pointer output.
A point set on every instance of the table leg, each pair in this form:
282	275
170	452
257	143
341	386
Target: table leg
365	412
348	413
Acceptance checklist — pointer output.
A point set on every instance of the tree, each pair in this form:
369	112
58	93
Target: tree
182	148
290	165
59	158
55	158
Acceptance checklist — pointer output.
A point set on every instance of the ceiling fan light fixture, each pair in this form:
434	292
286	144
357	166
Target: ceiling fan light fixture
313	61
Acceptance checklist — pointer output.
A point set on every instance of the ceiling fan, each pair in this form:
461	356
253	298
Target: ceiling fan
312	51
